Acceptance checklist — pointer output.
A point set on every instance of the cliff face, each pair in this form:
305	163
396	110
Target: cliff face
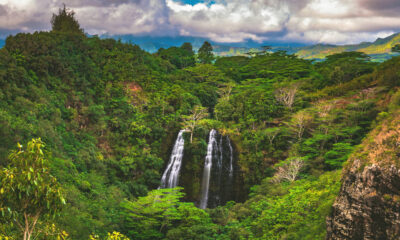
368	205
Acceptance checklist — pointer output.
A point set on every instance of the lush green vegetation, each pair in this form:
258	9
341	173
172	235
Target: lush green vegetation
108	114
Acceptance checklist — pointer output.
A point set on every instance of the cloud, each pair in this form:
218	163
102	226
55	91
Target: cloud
233	21
95	16
124	17
25	15
340	21
311	21
317	21
381	7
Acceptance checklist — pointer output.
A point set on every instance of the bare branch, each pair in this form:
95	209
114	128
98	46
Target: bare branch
286	95
289	171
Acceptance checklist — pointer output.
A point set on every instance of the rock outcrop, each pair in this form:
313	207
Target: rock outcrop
368	205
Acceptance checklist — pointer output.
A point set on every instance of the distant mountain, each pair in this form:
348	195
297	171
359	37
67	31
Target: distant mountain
379	50
153	43
2	42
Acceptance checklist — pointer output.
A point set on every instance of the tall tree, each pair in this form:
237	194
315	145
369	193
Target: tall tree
205	54
188	59
28	192
65	21
191	120
188	47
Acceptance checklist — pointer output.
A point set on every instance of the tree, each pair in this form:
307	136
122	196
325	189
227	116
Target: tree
65	21
188	59
187	47
338	155
205	54
286	95
226	90
289	170
161	215
191	120
299	122
396	48
271	133
343	67
181	57
28	192
149	216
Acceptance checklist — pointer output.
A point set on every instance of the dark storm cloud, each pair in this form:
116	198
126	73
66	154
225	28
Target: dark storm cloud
97	3
379	7
3	10
200	16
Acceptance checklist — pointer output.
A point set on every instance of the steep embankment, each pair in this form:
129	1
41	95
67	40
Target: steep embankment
368	204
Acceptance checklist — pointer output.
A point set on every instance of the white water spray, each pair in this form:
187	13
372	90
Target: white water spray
171	174
207	169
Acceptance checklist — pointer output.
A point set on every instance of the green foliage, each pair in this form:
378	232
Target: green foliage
160	215
231	66
338	154
205	54
396	48
110	236
65	22
389	72
282	211
181	57
343	67
28	192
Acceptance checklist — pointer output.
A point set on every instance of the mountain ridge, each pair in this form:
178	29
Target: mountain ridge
380	49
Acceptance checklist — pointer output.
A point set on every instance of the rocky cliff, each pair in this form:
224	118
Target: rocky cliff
368	205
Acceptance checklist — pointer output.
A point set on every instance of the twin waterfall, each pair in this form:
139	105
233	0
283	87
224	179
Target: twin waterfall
218	171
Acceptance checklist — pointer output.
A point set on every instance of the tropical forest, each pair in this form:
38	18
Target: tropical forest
102	140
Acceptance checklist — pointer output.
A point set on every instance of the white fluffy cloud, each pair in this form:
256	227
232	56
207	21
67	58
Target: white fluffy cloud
316	21
231	21
124	17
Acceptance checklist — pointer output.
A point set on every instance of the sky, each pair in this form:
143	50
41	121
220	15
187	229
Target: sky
225	21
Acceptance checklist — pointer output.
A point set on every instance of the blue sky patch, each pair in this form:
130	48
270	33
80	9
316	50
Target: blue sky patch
194	2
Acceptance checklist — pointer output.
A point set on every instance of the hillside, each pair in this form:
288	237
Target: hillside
379	50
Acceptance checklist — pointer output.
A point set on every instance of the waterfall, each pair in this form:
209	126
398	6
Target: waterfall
230	157
219	171
207	169
171	174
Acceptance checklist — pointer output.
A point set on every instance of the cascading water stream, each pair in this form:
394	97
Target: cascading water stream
171	174
219	170
231	157
207	169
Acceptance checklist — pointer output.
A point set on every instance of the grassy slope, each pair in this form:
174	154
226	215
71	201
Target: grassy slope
378	48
